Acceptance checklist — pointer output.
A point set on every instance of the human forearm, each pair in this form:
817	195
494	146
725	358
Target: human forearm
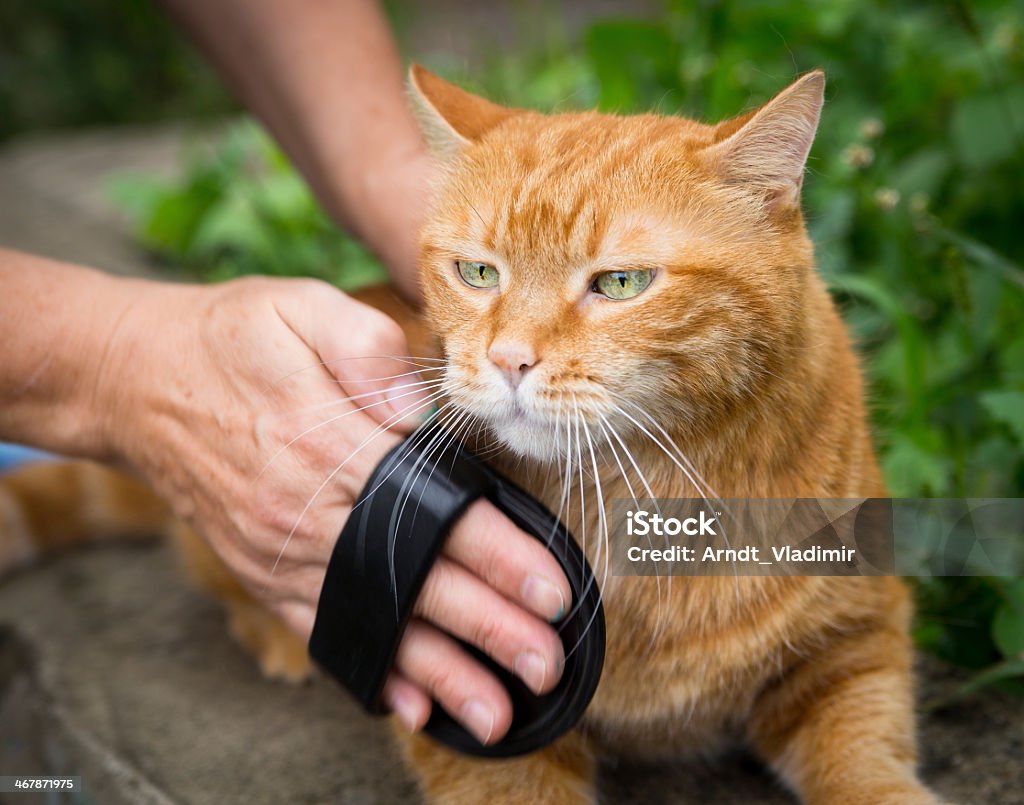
57	322
326	79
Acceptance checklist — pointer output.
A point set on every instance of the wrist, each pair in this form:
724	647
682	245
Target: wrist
388	199
120	393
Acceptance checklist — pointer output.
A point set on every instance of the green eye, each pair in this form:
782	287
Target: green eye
622	284
479	275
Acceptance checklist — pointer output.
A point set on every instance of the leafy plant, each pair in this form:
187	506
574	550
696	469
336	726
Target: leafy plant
64	63
241	209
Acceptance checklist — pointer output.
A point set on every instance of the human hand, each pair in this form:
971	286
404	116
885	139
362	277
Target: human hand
258	409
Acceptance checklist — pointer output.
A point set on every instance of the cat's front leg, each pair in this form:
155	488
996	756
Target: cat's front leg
840	727
562	774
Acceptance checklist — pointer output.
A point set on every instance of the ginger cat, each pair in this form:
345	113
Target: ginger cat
598	284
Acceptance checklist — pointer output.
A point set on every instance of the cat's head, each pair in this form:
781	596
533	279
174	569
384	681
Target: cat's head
603	272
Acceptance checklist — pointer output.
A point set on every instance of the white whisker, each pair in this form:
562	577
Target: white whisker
410	360
377	431
434	395
608	431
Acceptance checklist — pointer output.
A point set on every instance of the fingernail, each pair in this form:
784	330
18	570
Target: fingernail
479	718
405	711
532	669
543	597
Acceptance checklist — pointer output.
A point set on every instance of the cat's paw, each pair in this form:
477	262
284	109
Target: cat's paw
281	654
286	663
561	774
901	794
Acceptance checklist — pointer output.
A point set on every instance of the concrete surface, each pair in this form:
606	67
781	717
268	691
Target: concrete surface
113	668
55	197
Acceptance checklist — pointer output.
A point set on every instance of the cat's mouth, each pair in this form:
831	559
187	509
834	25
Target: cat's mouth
520	422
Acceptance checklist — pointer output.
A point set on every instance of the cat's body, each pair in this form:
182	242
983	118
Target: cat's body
735	353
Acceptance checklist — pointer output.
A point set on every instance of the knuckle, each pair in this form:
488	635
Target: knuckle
500	572
426	604
440	579
303	293
487	635
311	288
253	289
440	680
383	331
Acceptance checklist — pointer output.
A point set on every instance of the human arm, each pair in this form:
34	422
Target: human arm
326	80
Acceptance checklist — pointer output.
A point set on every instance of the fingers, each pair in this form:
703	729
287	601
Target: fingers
434	661
407	700
515	564
466	607
362	350
367	353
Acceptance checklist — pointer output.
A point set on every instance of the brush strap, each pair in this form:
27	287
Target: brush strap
382	558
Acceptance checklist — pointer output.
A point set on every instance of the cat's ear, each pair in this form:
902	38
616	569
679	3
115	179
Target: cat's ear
449	116
768	147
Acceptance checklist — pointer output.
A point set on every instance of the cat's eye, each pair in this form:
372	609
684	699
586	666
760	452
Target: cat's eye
477	274
623	284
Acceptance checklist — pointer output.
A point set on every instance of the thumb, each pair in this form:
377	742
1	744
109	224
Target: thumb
367	353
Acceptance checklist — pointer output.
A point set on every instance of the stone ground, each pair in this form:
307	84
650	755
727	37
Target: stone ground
113	668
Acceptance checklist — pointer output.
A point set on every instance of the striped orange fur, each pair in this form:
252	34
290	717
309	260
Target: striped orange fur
737	351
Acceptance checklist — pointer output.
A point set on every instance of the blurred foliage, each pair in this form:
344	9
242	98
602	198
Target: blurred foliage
914	199
97	61
240	208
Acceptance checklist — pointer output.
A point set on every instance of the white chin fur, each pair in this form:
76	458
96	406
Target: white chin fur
530	441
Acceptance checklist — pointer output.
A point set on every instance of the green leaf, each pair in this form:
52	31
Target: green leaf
982	254
1008	623
176	217
912	339
911	470
831	219
1007	407
922	172
1008	669
1012	361
233	226
983	128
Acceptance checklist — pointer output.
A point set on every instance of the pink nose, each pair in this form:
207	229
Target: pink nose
514	358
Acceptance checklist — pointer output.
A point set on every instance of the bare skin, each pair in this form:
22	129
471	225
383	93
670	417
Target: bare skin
201	390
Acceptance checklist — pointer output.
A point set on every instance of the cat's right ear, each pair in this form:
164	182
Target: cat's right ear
768	147
450	117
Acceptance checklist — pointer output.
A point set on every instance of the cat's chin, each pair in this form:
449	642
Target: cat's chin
531	440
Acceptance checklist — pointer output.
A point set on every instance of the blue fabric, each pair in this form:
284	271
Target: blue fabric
11	455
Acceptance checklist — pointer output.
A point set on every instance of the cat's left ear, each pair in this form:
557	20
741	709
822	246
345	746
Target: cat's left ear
450	117
768	148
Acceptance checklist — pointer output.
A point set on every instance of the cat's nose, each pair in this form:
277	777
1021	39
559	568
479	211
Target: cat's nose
514	358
